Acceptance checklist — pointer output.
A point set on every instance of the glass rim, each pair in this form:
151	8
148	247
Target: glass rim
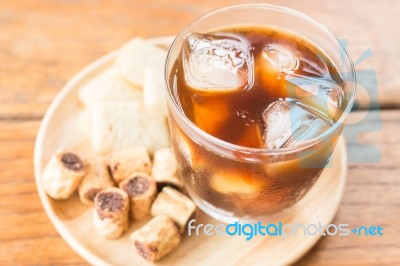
261	151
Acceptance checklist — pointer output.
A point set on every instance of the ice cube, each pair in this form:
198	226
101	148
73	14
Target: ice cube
238	181
220	61
323	94
280	60
288	123
210	113
272	65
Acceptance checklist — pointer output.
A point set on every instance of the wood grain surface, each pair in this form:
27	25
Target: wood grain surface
44	43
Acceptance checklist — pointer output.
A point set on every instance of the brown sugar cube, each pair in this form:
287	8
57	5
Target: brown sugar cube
96	179
126	161
157	238
164	169
111	212
62	174
175	205
141	189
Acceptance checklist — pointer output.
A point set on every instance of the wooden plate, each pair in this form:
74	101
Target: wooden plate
73	220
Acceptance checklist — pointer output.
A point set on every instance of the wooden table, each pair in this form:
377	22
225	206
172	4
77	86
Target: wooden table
43	43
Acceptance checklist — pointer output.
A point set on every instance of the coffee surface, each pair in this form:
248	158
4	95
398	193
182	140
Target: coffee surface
225	81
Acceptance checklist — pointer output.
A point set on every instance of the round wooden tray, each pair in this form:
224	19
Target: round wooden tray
73	220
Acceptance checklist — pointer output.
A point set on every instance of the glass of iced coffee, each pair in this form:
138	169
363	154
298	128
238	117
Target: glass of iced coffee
257	96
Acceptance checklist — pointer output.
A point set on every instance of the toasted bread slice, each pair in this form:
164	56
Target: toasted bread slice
108	86
136	56
154	90
120	125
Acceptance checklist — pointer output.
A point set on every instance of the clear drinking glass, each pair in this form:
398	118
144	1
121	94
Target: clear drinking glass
254	183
